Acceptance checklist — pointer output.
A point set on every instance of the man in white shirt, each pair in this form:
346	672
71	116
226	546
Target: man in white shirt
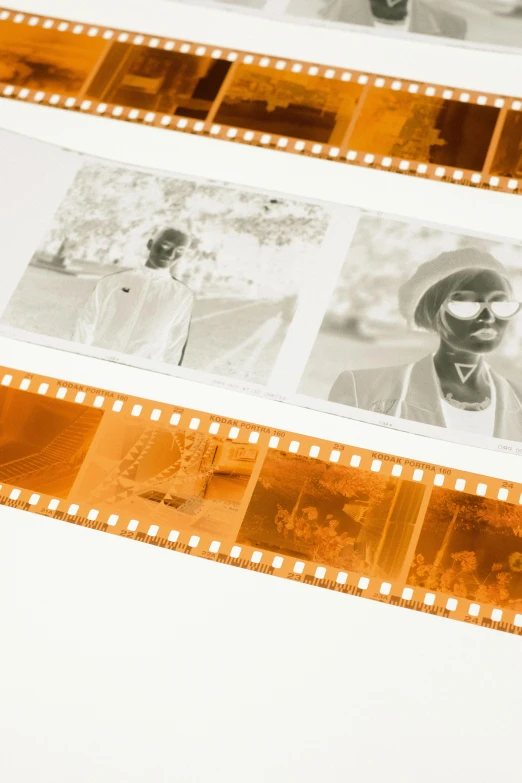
144	311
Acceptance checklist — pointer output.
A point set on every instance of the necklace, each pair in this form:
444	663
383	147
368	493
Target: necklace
468	406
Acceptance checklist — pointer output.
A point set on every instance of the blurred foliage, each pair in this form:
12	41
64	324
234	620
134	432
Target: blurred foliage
250	241
488	569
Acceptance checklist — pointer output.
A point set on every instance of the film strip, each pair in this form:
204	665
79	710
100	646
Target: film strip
410	534
369	120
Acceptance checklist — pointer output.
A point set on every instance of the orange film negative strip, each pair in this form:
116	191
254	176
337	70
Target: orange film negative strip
410	534
380	122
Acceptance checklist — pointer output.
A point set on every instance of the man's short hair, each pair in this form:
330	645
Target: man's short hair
176	235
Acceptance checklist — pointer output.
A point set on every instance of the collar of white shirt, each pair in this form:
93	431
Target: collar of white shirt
157	272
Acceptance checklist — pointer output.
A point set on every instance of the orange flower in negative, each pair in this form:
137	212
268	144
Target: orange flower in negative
497	567
467	561
447	579
503	578
423	571
432	581
515	561
460	590
494	594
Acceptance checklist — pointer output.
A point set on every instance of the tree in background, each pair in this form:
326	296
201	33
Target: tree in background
302	505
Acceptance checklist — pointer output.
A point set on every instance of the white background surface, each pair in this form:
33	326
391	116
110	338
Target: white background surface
122	662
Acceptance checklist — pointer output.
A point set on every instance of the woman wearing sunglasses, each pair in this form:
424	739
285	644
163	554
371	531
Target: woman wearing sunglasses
466	298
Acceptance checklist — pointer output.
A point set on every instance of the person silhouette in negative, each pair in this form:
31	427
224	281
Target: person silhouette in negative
144	311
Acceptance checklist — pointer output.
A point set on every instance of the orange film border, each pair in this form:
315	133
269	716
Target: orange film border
380	122
264	500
